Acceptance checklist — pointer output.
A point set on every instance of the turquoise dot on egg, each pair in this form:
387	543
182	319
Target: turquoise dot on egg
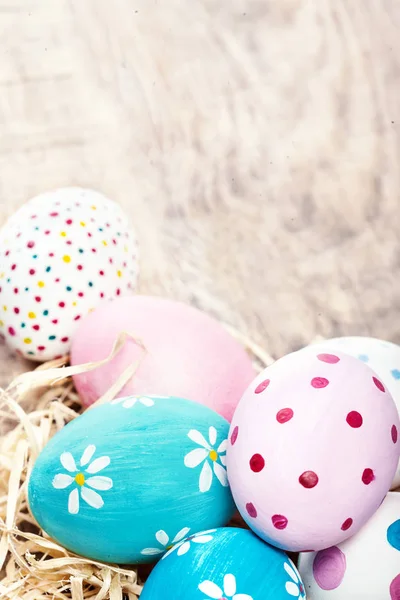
363	357
393	535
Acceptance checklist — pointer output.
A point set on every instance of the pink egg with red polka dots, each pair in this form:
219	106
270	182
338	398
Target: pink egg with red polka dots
313	449
366	566
60	255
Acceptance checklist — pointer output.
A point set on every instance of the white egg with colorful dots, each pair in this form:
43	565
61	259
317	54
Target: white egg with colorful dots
382	356
61	254
365	567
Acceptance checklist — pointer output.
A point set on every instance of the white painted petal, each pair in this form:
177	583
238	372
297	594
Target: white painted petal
181	535
147	401
73	502
229	584
171	550
210	589
202	539
98	464
162	538
242	597
100	483
151	551
212	435
195	457
185	547
205	478
220	472
117	401
87	455
207	531
61	481
198	438
223	446
91	497
292	589
129	402
291	572
68	462
222	458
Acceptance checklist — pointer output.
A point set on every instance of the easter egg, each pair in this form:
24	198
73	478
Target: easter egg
127	479
313	449
60	255
383	357
188	354
365	567
224	564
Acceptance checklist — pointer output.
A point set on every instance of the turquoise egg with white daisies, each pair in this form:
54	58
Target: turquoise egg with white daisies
224	564
126	480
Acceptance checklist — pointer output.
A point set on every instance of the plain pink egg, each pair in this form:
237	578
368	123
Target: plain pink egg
190	354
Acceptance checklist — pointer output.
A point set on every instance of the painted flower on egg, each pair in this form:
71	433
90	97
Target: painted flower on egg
209	455
83	484
294	587
212	590
184	546
164	541
132	400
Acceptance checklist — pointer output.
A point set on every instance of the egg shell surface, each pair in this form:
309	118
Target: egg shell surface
224	564
313	450
189	354
60	255
383	357
365	567
123	481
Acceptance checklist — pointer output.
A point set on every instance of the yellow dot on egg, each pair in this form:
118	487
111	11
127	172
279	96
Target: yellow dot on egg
91	310
104	243
125	248
93	207
27	341
1	323
119	273
32	315
74	303
83	224
5	308
66	258
2	275
63	234
41	284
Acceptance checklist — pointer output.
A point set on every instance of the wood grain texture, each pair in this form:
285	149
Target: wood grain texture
254	143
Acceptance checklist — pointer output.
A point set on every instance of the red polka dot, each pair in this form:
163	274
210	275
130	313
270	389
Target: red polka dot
32	271
284	415
308	479
11	331
54	214
89	234
262	386
77	317
16	290
47	232
347	524
61	304
251	509
51	254
13	267
80	294
31	244
234	435
257	463
16	310
111	260
354	419
38	299
41	348
118	292
101	273
69	221
54	321
378	384
368	476
64	340
36	327
114	242
319	382
7	253
279	522
57	280
101	294
328	358
79	267
394	434
94	250
69	243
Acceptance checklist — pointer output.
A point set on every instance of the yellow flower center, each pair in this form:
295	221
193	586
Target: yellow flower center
80	479
213	455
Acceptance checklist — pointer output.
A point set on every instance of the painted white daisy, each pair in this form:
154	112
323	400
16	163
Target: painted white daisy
132	400
295	588
184	546
208	455
163	539
212	590
98	482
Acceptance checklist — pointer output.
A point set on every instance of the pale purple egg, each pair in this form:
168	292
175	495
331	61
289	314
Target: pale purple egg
313	450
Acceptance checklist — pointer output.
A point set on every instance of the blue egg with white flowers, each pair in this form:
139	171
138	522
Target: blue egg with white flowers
224	564
126	480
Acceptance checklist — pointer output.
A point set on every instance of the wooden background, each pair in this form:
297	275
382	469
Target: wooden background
254	143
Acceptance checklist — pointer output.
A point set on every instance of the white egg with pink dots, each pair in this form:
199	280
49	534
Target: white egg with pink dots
314	445
61	254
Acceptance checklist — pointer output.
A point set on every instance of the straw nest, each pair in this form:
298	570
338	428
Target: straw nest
33	408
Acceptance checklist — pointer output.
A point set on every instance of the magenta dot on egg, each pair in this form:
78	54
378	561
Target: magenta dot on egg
354	419
329	568
328	358
257	463
308	479
251	509
368	476
234	435
378	384
279	521
347	524
319	382
262	386
284	415
394	434
395	588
